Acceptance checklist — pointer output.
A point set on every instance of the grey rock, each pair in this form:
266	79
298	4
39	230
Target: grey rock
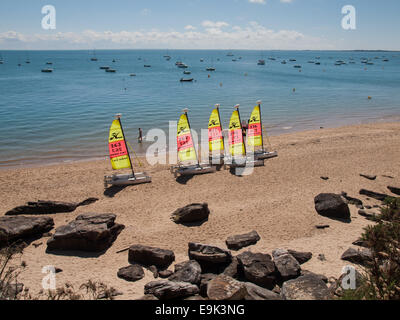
362	257
205	279
394	190
255	292
240	241
148	256
332	206
258	268
166	290
288	267
20	227
366	214
375	195
133	272
153	269
195	212
165	273
48	207
368	176
88	232
351	200
209	256
360	243
307	287
223	287
190	272
279	252
321	276
301	257
232	269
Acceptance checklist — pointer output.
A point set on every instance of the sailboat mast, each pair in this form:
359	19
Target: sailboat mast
241	128
190	129
127	149
262	138
219	118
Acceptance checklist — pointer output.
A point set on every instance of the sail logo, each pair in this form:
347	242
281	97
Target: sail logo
254	119
49	20
349	20
234	125
213	123
114	136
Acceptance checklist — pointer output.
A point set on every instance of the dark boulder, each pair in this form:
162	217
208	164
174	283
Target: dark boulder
88	232
332	206
258	268
48	207
148	256
362	257
209	257
21	227
394	190
372	194
223	287
204	280
195	212
232	269
166	290
189	272
368	176
287	266
307	287
238	242
255	292
351	200
165	273
133	272
301	257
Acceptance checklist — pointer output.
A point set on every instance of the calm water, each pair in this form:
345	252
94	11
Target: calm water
65	115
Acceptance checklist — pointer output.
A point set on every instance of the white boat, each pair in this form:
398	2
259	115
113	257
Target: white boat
120	159
261	62
210	69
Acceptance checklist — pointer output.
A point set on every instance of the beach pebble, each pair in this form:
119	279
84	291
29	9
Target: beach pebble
367	176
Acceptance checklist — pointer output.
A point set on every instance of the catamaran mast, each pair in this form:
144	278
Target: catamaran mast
220	123
261	125
241	128
190	130
118	117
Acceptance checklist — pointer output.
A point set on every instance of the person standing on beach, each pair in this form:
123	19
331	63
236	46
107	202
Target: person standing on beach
140	138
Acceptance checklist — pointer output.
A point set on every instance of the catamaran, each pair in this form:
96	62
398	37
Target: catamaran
255	135
187	152
215	138
120	158
237	146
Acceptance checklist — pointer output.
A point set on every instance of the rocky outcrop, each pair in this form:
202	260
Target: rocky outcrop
148	256
332	206
224	287
48	207
362	257
258	268
232	269
209	257
238	242
195	212
394	190
190	271
133	272
20	227
372	194
307	287
287	266
88	232
204	280
166	290
301	257
255	292
351	200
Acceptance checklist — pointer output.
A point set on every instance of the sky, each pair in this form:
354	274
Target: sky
199	24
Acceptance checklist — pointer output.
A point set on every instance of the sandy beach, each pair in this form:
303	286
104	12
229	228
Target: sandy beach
277	201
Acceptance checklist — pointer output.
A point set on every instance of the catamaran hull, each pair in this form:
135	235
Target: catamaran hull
126	179
192	170
265	155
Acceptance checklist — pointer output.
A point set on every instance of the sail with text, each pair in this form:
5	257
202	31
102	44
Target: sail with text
186	150
215	138
255	134
119	154
236	141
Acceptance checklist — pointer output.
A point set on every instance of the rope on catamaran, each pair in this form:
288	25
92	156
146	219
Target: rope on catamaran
137	158
266	135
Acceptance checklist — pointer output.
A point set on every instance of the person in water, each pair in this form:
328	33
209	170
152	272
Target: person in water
140	138
244	128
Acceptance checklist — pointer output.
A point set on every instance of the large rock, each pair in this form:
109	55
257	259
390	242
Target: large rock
375	195
307	287
88	232
258	268
189	272
21	227
240	241
287	266
195	212
255	292
224	287
148	256
209	257
232	269
301	257
48	207
332	206
204	280
362	257
351	200
394	190
133	272
166	290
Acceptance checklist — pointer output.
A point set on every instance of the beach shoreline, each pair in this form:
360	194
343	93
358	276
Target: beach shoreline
277	201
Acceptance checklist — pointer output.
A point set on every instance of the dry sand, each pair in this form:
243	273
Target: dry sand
277	201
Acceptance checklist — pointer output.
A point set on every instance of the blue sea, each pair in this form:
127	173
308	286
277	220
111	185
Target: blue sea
65	115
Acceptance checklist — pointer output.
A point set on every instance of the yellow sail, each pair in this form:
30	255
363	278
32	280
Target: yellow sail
186	151
236	143
255	131
215	140
118	151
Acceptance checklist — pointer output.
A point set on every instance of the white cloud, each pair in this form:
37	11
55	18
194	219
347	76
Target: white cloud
258	1
190	27
217	24
287	1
